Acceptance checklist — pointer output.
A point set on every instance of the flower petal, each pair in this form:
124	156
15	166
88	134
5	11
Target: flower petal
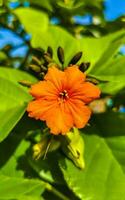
74	76
57	77
86	92
39	107
57	116
59	120
80	113
44	89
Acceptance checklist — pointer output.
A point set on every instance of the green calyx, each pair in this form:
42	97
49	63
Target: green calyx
73	146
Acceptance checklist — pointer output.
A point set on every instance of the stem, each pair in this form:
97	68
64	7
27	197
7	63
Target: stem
47	148
56	192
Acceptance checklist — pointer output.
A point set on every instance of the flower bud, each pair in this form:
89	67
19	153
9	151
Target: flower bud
46	145
60	53
73	146
25	83
84	66
47	58
76	58
50	51
40	148
35	68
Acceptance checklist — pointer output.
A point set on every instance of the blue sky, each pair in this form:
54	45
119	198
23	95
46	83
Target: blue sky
114	9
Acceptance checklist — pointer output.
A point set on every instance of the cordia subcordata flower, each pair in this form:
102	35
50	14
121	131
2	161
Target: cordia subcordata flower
62	99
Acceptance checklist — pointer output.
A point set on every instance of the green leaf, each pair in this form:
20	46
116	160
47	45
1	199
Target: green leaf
10	161
1	2
113	72
14	164
13	99
100	52
55	37
32	197
113	133
3	56
48	168
102	178
108	54
14	188
32	20
108	67
15	161
96	51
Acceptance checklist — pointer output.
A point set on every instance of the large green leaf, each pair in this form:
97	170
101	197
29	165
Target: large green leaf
55	37
13	99
102	179
12	188
13	185
11	161
94	49
114	73
12	171
113	44
33	20
1	2
113	133
109	67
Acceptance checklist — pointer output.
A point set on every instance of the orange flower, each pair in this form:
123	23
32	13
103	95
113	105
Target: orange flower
61	98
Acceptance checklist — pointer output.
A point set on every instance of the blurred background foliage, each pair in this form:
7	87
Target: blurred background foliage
80	18
96	28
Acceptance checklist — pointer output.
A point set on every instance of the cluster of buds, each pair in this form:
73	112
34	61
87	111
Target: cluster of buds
42	60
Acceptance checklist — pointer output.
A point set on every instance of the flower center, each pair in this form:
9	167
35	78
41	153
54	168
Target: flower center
63	95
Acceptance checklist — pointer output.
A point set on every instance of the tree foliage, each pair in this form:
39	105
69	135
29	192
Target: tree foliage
56	177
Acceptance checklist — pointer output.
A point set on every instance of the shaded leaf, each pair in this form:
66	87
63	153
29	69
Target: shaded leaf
113	133
102	178
14	188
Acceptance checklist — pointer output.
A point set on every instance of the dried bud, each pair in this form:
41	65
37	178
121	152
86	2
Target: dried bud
41	75
76	58
92	80
60	53
47	58
35	68
50	51
25	83
43	68
95	80
36	60
84	66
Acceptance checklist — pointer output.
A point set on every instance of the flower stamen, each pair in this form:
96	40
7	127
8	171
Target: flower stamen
63	95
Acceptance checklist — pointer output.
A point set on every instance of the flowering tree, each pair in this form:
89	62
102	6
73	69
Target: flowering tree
62	129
